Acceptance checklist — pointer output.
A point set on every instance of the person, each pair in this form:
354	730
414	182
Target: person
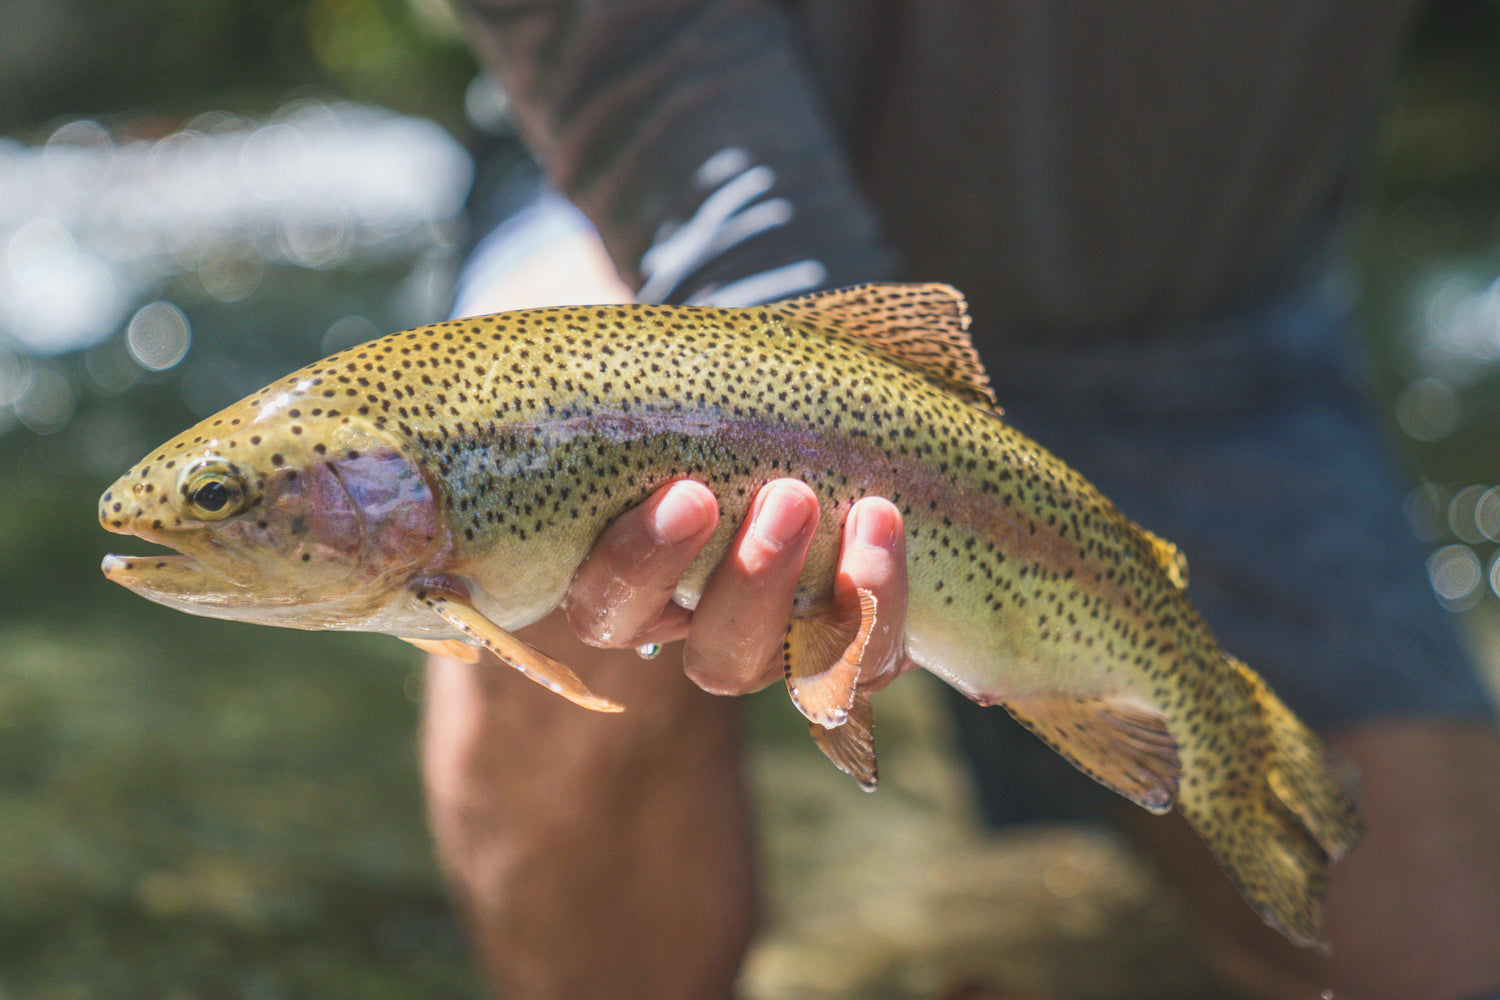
1148	209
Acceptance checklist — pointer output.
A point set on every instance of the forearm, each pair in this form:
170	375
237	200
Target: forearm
692	136
594	856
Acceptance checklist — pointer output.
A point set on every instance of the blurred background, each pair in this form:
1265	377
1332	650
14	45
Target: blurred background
197	196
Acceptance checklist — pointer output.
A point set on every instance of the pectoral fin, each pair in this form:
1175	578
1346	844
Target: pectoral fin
535	664
822	657
1120	745
851	746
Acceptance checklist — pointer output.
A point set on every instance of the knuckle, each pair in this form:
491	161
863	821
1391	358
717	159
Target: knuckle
589	622
736	670
615	559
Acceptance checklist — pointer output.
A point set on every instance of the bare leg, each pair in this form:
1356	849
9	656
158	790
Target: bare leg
593	855
1413	911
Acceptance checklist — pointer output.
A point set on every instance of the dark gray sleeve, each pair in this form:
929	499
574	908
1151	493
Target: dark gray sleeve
691	135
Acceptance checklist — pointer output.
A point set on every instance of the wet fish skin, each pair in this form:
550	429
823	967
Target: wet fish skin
443	484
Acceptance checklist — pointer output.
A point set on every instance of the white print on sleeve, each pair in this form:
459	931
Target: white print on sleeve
735	211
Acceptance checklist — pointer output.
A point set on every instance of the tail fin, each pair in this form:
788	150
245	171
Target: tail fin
1300	820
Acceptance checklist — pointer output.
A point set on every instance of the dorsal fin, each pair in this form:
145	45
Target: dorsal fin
922	326
1169	557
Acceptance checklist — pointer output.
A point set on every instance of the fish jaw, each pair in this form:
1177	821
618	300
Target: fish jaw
181	582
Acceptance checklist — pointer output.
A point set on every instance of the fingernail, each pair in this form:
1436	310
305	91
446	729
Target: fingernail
781	516
679	515
872	530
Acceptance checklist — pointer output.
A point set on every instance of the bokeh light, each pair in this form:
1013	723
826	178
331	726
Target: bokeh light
158	336
347	332
1457	576
230	270
1428	409
1459	323
54	296
1426	510
1487	514
110	368
46	399
1463	514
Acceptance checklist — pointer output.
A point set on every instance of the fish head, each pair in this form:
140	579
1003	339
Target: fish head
277	516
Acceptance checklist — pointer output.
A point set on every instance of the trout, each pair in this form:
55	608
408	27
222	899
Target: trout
443	484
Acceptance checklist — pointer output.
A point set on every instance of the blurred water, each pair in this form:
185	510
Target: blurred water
112	242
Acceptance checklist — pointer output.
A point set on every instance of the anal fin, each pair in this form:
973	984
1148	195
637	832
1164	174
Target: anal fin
549	673
1123	746
822	656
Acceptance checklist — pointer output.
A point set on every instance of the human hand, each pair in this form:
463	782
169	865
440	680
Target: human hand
622	594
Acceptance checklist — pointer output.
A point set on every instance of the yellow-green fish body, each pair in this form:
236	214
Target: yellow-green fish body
445	483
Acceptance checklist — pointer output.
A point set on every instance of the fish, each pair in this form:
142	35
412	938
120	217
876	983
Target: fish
443	484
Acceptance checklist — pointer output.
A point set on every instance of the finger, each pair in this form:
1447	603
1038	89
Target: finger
735	643
622	593
873	558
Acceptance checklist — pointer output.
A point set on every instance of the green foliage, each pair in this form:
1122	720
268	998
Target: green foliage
405	54
179	57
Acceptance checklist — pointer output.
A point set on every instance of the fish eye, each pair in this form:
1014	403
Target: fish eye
212	496
212	490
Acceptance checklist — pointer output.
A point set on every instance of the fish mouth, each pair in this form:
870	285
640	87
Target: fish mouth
213	576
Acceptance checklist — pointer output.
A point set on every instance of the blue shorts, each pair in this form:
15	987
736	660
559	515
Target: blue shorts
1244	441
